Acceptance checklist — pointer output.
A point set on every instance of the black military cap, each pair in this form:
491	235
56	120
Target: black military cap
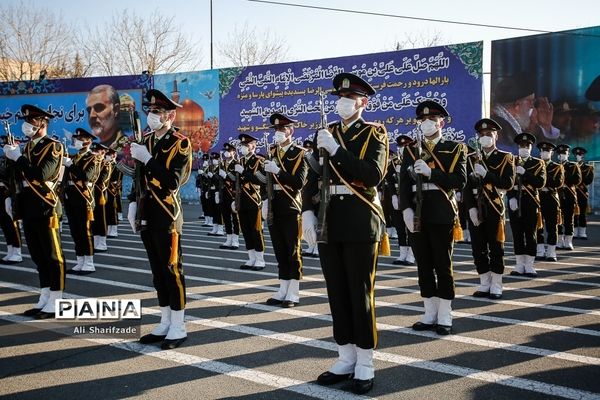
205	156
525	137
403	140
593	92
562	107
158	99
547	146
215	155
430	107
82	133
228	147
279	120
111	151
579	151
347	82
30	111
487	124
513	88
563	148
98	146
245	138
307	144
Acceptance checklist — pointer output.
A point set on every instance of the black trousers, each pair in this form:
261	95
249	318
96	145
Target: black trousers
349	270
111	209
99	223
9	227
79	225
46	252
567	206
524	228
230	219
550	208
253	235
400	226
582	201
285	236
204	203
168	280
488	251
433	248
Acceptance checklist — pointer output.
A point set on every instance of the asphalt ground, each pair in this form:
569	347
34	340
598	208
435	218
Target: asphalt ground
541	341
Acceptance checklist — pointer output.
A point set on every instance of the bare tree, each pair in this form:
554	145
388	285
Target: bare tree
33	42
245	46
414	40
130	44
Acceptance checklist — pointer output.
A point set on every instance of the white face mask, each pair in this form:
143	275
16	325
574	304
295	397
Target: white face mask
244	150
400	149
28	129
524	152
345	107
279	137
154	121
486	141
215	162
428	127
227	154
579	158
77	144
546	155
563	157
107	158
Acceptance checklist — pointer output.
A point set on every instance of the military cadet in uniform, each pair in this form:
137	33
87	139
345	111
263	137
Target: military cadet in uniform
249	209
8	221
81	172
550	204
230	219
312	250
38	168
99	228
288	168
113	195
587	177
406	256
568	198
491	173
202	185
214	194
166	162
355	224
524	205
441	170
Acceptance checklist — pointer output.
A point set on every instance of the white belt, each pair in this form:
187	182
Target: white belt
213	187
277	187
474	191
89	184
545	189
425	186
336	190
48	183
2	185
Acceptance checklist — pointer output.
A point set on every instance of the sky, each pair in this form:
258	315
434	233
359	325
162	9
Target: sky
313	34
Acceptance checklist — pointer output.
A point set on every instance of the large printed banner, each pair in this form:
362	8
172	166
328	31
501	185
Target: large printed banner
549	85
218	105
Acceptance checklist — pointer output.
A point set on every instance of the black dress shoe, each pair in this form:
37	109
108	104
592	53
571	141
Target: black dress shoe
244	266
274	302
233	247
170	344
551	259
530	274
443	330
481	294
100	250
540	258
495	296
225	247
257	268
32	312
329	378
289	304
72	271
44	315
84	272
362	386
515	273
421	326
151	338
399	262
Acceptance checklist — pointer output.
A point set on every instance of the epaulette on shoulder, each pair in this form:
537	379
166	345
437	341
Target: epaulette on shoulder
332	124
179	135
376	124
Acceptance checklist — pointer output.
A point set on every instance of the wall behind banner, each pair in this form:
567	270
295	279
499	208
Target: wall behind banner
218	105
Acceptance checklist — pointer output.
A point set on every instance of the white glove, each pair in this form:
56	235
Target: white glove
264	210
309	227
210	174
422	168
395	202
474	217
233	206
397	168
222	173
480	170
458	196
409	219
67	162
12	152
239	169
206	195
8	206
217	199
271	166
520	170
326	141
140	153
513	203
131	214
205	164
